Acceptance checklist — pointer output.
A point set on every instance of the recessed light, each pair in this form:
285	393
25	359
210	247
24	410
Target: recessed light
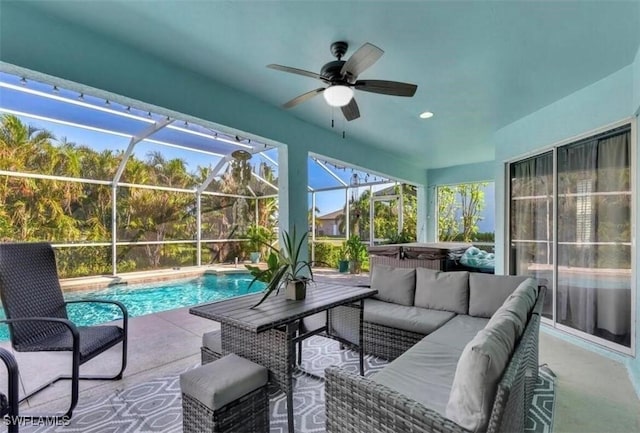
426	115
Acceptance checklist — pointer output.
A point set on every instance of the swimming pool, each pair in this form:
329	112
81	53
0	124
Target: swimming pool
141	299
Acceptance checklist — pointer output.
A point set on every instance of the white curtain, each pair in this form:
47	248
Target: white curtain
531	220
594	217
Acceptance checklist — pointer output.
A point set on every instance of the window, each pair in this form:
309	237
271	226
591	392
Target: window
582	250
584	211
466	213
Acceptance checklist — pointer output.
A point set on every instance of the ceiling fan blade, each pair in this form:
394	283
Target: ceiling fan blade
294	71
351	110
305	96
366	56
395	88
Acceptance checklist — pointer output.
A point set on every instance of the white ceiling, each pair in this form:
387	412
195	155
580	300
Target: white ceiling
479	65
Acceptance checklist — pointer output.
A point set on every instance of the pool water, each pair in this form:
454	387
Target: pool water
141	299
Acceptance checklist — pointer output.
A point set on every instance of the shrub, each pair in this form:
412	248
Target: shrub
326	254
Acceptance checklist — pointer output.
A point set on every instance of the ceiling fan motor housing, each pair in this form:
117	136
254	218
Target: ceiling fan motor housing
339	49
331	71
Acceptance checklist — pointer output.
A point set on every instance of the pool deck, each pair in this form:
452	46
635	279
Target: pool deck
593	393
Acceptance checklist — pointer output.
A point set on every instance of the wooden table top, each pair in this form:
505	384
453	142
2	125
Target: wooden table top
276	310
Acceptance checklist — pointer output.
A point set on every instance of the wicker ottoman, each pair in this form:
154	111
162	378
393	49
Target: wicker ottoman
211	347
227	395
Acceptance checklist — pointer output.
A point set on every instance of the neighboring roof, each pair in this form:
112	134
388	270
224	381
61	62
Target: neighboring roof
331	215
390	190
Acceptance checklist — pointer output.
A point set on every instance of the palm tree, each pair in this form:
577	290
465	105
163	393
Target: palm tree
20	143
38	209
267	207
358	215
312	215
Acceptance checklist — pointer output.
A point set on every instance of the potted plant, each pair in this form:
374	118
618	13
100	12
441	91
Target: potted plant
286	269
262	274
258	236
356	253
343	258
403	237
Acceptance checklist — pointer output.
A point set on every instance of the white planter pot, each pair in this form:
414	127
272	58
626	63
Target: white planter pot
296	290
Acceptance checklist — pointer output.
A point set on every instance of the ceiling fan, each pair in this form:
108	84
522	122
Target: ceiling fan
341	78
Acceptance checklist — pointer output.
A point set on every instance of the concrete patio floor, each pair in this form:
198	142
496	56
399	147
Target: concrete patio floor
593	393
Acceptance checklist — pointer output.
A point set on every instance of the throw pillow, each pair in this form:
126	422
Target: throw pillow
514	310
529	289
488	292
397	285
447	291
478	372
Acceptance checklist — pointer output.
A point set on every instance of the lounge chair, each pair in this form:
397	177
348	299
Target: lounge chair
9	403
37	317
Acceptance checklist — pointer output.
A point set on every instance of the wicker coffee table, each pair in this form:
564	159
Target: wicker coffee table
268	334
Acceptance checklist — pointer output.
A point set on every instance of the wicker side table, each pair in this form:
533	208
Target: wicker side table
225	396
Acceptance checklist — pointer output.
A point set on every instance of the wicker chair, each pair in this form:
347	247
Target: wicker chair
37	317
9	403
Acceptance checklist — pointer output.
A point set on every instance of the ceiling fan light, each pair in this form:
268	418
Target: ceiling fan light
338	95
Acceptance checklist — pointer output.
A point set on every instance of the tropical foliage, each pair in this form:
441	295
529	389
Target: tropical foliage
355	250
385	221
259	238
459	211
68	210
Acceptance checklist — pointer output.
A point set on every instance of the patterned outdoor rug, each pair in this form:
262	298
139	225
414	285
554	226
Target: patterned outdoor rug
540	419
156	406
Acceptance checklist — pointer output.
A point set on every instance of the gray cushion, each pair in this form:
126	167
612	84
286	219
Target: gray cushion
488	292
315	321
213	341
529	289
220	382
517	306
447	291
397	285
507	322
458	332
474	386
414	319
424	373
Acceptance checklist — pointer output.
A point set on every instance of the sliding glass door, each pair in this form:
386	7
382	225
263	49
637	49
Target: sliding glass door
582	250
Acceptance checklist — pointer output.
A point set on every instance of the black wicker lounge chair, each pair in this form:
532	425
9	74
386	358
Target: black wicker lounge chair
37	316
9	403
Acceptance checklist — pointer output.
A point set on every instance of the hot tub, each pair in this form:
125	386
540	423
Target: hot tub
415	255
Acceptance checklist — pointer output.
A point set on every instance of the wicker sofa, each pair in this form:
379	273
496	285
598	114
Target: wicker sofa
464	351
